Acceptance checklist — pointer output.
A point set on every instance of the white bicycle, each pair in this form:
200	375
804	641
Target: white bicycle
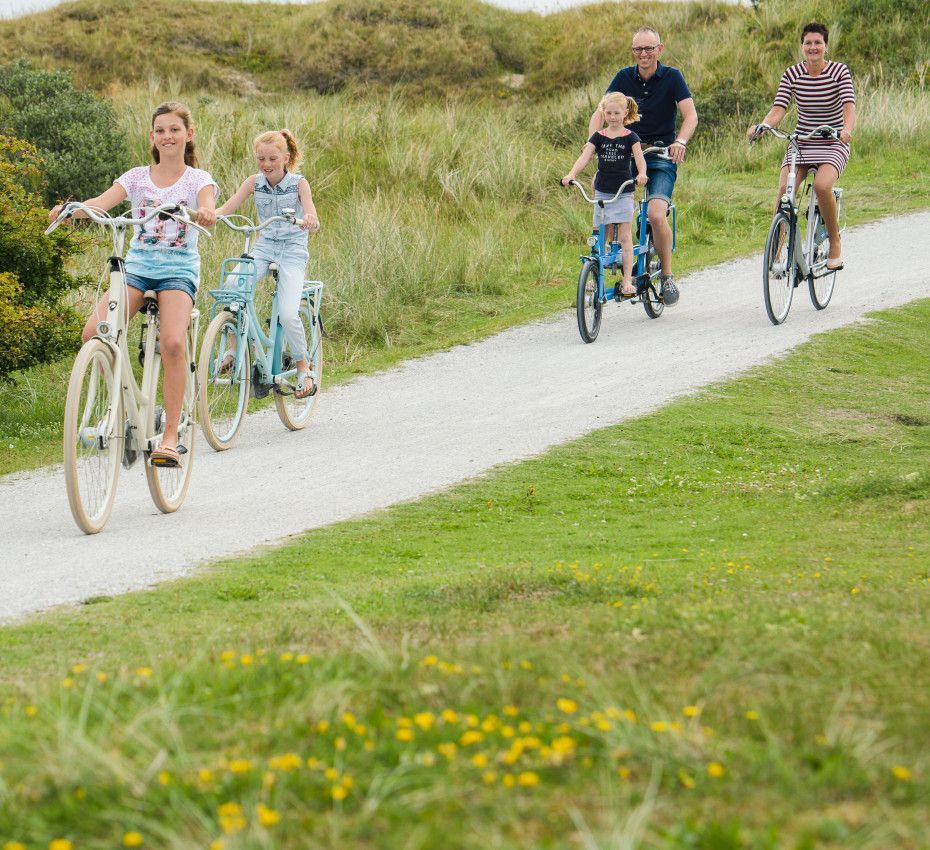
110	419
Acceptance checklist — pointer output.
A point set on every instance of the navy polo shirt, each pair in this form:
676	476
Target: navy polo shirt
657	99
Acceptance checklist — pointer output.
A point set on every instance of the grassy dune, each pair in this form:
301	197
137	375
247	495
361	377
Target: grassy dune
705	628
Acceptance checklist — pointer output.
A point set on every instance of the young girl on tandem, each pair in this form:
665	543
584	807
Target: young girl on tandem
277	187
615	147
163	254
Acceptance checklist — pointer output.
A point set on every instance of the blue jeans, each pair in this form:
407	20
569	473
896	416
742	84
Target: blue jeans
162	285
662	174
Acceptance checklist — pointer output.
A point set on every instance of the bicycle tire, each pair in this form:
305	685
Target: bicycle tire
820	288
294	412
779	271
651	297
92	466
168	485
223	397
588	306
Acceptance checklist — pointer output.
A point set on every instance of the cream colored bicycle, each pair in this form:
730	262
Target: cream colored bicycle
110	418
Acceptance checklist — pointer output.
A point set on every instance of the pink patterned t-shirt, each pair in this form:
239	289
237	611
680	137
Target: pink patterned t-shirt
164	249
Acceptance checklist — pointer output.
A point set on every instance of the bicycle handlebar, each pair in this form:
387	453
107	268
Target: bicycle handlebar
824	131
98	216
660	152
287	215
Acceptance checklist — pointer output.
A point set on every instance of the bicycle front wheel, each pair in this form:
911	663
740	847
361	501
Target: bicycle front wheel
587	302
168	485
295	412
92	449
778	269
224	375
651	297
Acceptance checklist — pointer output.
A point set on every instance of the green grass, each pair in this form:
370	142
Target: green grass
443	223
705	628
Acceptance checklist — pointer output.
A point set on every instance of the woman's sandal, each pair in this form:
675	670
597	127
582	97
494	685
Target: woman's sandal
165	456
300	390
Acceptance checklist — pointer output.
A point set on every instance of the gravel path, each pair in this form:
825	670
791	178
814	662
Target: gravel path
433	422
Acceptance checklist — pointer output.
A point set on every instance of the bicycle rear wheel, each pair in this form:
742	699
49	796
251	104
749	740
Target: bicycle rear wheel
779	271
224	375
587	302
821	288
91	454
651	297
168	485
295	412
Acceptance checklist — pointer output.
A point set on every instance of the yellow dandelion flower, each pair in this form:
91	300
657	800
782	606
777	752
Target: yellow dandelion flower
471	736
144	672
77	669
691	711
360	729
227	656
14	845
479	760
563	745
231	818
563	728
322	726
67	682
511	710
404	734
246	660
80	793
216	844
424	719
303	658
509	780
566	705
854	591
447	749
403	722
489	777
369	746
266	816
31	711
450	716
623	772
526	665
348	782
658	726
60	844
507	731
331	774
313	762
205	774
629	714
752	715
164	778
604	725
338	792
133	839
287	762
686	780
715	769
269	779
471	720
340	744
348	720
525	727
528	779
286	657
708	731
429	661
901	773
240	766
101	676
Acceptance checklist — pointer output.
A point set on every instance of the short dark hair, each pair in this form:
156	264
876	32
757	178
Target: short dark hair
813	26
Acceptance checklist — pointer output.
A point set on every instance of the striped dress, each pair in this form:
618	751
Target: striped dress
820	101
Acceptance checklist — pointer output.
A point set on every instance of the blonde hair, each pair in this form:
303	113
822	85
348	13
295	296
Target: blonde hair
632	110
284	141
174	107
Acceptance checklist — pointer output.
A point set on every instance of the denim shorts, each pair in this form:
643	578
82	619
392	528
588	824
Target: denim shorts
661	174
162	285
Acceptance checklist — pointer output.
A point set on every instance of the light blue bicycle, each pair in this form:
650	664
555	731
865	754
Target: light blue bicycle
238	357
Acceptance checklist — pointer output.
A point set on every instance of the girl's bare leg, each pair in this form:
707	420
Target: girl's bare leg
626	243
174	309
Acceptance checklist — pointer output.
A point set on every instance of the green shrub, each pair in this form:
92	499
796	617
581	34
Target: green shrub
74	131
35	327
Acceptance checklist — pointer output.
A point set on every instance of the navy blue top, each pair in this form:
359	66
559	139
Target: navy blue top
613	161
657	99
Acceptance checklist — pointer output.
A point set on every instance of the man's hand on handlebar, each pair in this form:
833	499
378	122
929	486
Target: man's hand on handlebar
676	151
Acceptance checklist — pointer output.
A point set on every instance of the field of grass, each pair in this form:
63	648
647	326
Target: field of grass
443	223
705	628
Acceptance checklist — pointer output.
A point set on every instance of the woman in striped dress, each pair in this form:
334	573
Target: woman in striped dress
823	91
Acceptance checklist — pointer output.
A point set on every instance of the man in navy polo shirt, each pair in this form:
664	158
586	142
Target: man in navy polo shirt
660	92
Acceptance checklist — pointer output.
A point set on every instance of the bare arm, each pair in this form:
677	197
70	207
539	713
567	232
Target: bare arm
596	122
641	176
206	206
774	115
310	221
849	121
586	153
236	201
106	201
689	122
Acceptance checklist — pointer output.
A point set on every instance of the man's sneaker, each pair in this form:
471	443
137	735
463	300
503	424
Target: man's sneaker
669	290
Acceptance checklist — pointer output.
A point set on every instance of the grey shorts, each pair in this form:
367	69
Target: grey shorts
618	212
